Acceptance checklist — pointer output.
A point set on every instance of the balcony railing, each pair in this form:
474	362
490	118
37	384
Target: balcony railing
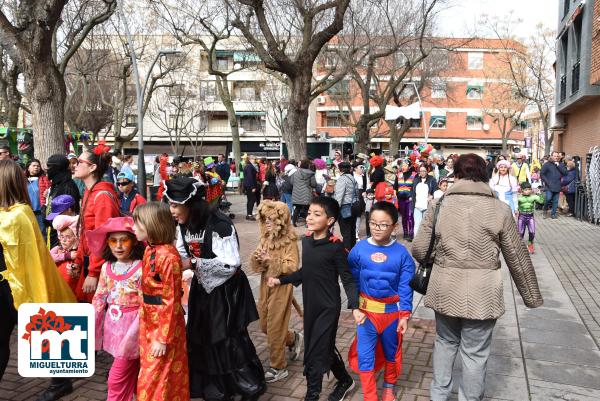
575	78
563	88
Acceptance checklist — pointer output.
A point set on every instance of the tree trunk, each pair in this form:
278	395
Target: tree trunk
362	135
296	119
46	89
14	97
504	144
225	95
396	135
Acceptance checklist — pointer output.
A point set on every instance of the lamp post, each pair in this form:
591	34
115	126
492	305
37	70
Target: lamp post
139	93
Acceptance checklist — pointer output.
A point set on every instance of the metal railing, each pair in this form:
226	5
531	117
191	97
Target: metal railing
563	88
575	78
581	211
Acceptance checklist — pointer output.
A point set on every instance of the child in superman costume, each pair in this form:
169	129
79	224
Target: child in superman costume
382	269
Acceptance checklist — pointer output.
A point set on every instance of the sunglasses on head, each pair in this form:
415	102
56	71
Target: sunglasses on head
123	183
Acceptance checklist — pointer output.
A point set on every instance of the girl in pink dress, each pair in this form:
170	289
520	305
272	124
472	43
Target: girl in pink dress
117	301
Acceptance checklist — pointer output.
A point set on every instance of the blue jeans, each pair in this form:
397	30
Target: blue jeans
287	199
552	200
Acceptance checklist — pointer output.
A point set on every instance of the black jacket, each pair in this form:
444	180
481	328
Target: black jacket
324	261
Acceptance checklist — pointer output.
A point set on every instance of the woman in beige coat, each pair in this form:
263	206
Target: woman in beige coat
465	289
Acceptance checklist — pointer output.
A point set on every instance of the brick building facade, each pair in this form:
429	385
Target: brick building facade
578	77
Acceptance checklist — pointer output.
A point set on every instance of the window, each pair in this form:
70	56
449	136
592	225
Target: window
474	91
373	89
177	90
440	57
222	63
437	121
339	89
415	123
400	59
208	90
131	120
566	6
173	121
252	123
475	60
336	119
246	91
331	59
474	122
521	126
438	89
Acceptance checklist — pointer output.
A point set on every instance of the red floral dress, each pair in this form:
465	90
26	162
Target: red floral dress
161	319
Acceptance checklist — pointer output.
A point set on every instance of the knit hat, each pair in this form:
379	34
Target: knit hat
60	204
504	163
320	164
182	189
58	161
63	221
96	239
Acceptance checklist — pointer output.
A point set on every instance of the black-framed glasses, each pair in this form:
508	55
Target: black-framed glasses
380	226
123	183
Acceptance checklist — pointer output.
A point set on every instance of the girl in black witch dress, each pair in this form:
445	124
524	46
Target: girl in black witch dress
222	359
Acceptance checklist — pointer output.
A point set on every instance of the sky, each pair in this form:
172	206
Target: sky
461	17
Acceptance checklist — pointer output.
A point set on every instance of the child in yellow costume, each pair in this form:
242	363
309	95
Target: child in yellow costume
277	254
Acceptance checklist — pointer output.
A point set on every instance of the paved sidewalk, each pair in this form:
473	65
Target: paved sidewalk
543	354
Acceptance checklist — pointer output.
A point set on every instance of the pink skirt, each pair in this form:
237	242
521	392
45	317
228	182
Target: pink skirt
120	334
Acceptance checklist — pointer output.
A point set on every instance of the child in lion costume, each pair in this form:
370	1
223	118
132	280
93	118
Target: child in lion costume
277	254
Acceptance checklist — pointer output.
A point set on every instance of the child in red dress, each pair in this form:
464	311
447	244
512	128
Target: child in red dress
164	374
64	253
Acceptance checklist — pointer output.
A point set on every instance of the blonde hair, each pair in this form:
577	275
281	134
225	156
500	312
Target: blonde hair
13	185
156	218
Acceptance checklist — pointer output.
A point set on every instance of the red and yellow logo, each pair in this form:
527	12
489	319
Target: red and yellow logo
378	257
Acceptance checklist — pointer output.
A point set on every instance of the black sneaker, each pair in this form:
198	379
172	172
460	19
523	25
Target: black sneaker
340	390
251	218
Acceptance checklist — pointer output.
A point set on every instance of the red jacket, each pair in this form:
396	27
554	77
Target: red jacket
102	204
43	185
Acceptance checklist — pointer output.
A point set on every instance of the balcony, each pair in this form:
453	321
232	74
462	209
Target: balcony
575	78
563	88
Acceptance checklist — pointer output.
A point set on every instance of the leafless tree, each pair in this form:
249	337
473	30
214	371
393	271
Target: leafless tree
390	39
10	96
288	36
179	113
41	37
530	66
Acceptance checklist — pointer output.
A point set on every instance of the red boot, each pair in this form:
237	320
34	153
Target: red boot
531	248
388	394
369	385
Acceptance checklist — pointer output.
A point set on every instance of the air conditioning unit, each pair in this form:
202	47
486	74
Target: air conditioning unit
321	99
323	135
557	121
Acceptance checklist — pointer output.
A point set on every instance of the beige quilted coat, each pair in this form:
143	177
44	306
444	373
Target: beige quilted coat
471	231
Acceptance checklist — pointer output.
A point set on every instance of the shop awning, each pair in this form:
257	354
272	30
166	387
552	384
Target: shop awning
250	113
224	53
240	57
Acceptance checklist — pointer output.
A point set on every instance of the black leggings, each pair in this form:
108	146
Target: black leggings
8	314
348	231
297	210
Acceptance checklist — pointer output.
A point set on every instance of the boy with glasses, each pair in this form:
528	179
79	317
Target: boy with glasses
129	198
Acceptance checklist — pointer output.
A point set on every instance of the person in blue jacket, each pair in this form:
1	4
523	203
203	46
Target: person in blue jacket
383	269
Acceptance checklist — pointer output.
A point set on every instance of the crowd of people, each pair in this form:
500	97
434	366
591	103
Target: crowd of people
173	304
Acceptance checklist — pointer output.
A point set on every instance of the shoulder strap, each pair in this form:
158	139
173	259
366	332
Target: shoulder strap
432	240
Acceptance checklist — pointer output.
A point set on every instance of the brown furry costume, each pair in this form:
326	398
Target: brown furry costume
274	305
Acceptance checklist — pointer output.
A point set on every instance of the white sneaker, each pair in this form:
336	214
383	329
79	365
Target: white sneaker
296	349
272	375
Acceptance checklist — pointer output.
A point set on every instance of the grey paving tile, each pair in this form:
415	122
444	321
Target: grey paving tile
503	365
506	387
544	391
562	338
510	348
573	375
548	314
554	325
552	353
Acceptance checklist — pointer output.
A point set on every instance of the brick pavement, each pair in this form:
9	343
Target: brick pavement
525	363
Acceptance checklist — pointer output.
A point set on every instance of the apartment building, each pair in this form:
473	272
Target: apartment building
578	77
459	106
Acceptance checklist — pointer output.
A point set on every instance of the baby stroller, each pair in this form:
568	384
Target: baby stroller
225	206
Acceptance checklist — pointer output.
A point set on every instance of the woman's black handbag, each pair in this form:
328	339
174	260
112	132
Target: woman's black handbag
420	280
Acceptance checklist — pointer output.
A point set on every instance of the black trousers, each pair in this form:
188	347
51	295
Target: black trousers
8	315
348	231
314	378
297	210
571	202
250	200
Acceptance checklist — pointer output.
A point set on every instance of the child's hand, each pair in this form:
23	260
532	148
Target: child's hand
90	284
157	349
402	325
265	257
73	255
359	317
272	282
187	275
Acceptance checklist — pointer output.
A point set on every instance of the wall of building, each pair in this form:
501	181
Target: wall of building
595	63
583	130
